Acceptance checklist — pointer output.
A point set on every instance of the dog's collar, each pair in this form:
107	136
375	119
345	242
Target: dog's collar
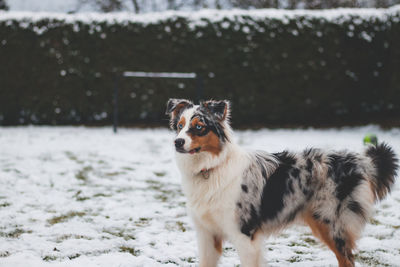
205	173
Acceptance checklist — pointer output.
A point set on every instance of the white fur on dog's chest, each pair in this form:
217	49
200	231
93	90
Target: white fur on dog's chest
211	201
211	206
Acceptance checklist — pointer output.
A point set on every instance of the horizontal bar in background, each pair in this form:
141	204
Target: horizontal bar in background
143	74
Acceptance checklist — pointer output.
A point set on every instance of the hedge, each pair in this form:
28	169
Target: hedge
277	67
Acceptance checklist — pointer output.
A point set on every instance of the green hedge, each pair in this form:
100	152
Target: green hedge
277	67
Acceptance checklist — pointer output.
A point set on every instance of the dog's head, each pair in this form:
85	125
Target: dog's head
200	128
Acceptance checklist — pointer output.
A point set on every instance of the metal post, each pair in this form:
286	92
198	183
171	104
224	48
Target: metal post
199	88
115	102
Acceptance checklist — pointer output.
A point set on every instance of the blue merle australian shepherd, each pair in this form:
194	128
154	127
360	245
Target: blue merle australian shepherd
243	196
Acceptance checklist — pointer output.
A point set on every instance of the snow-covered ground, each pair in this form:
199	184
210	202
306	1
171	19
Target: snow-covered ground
74	196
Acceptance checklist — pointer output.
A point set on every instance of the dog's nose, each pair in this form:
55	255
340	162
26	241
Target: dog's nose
179	142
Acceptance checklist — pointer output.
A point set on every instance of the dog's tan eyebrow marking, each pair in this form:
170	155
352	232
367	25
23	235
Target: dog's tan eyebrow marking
196	121
181	121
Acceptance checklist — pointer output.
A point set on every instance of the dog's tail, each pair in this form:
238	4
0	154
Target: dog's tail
386	165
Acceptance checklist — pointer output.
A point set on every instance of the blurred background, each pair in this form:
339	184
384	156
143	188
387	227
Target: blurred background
65	62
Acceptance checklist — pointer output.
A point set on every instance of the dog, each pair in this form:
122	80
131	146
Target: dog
245	196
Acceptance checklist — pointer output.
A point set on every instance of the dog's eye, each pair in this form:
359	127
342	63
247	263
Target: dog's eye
199	127
180	125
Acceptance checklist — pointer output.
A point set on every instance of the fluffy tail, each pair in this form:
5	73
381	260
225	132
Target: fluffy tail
386	165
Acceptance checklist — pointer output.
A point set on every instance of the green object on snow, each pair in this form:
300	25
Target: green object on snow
370	139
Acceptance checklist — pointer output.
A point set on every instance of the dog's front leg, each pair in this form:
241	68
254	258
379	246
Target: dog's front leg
210	247
249	250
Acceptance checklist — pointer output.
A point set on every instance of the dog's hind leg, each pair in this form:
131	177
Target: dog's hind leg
342	246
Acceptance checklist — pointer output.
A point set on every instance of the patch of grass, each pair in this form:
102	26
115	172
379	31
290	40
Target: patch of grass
296	244
370	261
79	197
168	262
284	235
69	236
128	168
15	234
189	259
49	258
175	226
83	173
111	174
65	217
310	241
5	204
82	198
294	259
181	226
374	221
164	195
162	198
130	250
72	157
12	170
74	256
142	222
160	174
120	233
125	189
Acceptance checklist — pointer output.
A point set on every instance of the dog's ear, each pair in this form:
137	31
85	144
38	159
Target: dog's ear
219	109
175	108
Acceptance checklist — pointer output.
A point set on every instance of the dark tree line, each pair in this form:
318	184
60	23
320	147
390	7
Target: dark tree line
139	5
3	5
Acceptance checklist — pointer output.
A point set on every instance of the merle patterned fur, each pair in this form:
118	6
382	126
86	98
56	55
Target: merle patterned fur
279	187
211	113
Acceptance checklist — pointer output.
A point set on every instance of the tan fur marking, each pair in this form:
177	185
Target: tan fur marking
183	122
178	108
196	121
256	235
208	219
218	244
209	142
321	231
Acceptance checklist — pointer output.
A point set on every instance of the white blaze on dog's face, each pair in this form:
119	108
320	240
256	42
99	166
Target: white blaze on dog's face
200	128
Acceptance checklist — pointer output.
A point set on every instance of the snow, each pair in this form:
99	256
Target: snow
43	5
85	5
201	18
76	196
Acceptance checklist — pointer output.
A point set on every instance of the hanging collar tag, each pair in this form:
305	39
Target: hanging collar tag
205	173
